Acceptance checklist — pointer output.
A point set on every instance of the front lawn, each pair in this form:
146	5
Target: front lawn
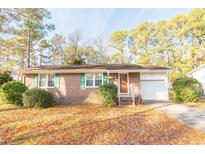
200	104
93	124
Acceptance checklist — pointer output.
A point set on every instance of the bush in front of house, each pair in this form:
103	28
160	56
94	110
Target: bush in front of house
5	77
38	98
13	92
187	89
108	94
1	95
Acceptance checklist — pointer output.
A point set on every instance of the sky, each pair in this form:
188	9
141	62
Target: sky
92	22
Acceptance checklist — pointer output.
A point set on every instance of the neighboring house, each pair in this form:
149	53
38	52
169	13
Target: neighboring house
74	84
199	74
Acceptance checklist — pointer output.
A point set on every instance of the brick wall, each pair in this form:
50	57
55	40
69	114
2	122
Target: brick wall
70	91
134	82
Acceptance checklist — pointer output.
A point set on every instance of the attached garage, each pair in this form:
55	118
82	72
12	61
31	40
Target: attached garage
154	86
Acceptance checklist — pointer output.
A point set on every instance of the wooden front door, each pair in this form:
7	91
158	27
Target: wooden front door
123	83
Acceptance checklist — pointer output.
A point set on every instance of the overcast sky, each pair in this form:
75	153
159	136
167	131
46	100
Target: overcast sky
94	21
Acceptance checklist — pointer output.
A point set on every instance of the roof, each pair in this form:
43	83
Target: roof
92	68
196	69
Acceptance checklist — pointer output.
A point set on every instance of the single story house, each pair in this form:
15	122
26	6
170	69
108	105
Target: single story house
199	74
79	83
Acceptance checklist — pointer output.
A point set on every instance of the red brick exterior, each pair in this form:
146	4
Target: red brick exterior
70	91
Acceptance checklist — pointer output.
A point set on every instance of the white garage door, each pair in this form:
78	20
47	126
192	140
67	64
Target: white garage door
154	90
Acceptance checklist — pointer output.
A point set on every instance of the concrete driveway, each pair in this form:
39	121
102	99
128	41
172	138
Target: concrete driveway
191	116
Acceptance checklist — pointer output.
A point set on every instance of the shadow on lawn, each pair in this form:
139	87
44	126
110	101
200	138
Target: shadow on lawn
9	109
126	129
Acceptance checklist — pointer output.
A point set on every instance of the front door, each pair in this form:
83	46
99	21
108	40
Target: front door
123	83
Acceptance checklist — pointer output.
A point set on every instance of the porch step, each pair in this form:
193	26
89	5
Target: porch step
126	103
125	99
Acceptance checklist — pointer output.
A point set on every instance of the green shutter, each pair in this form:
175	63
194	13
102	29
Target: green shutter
82	80
105	78
57	81
34	81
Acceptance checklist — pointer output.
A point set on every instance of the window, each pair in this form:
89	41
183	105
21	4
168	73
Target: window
46	81
93	80
98	79
51	82
42	81
89	80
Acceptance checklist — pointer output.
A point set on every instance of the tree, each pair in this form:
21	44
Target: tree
43	58
73	51
5	46
3	19
31	30
118	41
90	55
102	49
178	43
79	51
57	43
195	31
21	32
141	42
176	34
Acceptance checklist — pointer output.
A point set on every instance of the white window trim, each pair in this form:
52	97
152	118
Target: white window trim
46	81
93	74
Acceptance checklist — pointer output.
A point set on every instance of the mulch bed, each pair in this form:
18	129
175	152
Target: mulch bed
93	124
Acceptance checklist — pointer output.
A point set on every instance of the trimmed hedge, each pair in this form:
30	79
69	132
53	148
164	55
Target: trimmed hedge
38	98
187	89
108	93
13	92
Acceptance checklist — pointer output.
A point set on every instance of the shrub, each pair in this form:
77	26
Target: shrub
187	89
38	98
1	95
13	92
108	93
4	78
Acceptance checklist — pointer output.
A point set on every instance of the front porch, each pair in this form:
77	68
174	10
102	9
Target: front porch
126	99
128	84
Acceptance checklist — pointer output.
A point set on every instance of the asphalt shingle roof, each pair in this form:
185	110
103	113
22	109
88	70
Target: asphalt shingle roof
99	66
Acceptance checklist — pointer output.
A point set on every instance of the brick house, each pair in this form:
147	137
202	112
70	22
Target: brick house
79	84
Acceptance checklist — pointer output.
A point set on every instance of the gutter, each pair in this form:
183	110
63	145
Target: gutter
26	72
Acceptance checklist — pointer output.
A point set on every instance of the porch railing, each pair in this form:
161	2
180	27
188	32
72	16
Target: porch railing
131	95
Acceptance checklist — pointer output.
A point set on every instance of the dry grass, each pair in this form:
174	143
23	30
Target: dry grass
200	104
93	124
196	105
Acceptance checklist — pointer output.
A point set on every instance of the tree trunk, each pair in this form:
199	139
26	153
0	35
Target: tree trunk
28	50
41	57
